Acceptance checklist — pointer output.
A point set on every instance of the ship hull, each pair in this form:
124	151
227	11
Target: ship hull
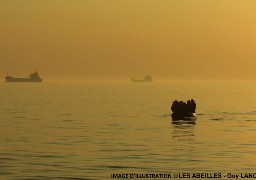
10	79
136	80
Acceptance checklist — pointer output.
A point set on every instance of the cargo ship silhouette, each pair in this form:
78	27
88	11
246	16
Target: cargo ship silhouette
146	79
33	77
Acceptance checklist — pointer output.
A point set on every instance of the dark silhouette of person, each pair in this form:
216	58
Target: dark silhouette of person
189	107
174	107
193	106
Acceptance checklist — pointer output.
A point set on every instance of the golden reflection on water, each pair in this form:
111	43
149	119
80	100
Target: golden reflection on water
86	130
183	131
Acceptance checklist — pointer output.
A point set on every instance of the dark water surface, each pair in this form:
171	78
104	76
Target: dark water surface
92	130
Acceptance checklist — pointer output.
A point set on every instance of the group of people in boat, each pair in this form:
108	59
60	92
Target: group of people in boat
183	109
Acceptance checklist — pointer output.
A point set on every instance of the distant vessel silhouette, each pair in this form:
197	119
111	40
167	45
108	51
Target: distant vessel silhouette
33	77
146	79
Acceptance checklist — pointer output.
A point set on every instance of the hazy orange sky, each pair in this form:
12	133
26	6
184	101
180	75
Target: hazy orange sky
123	39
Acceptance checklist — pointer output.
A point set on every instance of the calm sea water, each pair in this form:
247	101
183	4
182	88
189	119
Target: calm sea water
93	130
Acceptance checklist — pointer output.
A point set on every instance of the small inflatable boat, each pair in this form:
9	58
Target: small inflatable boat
184	111
186	117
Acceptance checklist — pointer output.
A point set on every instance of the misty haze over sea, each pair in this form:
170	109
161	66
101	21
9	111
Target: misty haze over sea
92	130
